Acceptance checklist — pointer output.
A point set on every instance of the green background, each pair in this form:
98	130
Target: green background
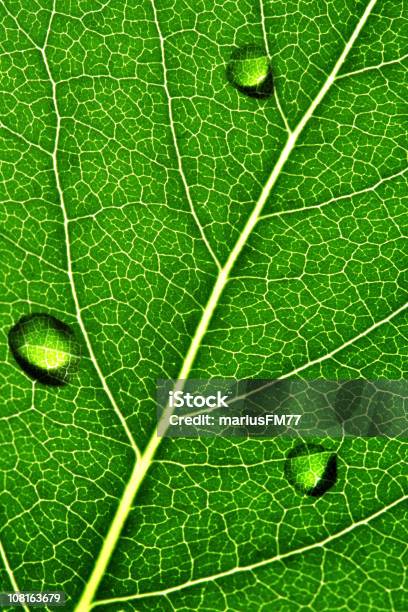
133	100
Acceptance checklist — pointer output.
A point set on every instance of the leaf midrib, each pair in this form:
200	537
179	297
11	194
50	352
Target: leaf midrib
144	461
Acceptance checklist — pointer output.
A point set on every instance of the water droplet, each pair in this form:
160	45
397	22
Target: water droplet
45	348
311	469
249	70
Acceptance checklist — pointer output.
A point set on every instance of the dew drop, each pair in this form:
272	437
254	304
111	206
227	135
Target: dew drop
311	469
45	348
249	70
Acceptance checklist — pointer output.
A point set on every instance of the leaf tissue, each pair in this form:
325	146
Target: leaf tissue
198	190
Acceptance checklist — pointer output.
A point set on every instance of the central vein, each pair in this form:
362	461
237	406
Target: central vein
144	461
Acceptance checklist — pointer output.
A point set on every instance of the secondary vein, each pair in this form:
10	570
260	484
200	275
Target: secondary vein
176	147
68	243
257	564
10	573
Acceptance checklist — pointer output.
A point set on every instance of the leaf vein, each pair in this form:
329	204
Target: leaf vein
258	564
68	243
175	143
143	464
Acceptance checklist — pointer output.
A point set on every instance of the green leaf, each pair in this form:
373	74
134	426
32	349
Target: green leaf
182	228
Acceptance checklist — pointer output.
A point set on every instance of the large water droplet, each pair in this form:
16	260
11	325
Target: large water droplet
311	469
45	348
249	70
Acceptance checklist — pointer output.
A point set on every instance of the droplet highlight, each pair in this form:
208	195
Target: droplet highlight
249	70
311	469
45	348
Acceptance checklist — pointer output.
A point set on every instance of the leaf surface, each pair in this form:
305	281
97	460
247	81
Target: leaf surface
184	229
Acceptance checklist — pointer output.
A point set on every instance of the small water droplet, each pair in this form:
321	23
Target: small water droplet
249	70
45	348
311	469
